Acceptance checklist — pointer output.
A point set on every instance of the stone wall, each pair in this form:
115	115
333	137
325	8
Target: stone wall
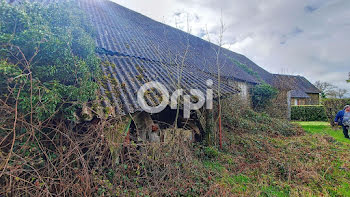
313	100
244	89
281	106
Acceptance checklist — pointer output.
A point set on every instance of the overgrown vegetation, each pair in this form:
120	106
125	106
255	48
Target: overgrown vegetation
260	165
309	113
246	68
262	96
47	58
237	116
47	72
263	162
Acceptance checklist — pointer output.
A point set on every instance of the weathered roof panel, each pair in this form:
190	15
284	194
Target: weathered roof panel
125	75
127	32
299	94
133	42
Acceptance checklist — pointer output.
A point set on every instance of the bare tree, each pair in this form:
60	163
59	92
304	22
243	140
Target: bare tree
348	79
327	89
332	94
341	93
219	65
337	93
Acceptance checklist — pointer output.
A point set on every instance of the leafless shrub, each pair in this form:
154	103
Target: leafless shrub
66	159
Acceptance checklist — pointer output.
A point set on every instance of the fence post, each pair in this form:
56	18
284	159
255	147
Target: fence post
289	108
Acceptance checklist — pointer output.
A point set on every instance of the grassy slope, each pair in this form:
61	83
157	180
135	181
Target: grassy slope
311	164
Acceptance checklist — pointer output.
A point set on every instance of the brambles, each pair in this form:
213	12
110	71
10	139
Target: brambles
238	117
47	71
47	53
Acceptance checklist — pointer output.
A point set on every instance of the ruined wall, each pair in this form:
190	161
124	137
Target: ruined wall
281	106
244	89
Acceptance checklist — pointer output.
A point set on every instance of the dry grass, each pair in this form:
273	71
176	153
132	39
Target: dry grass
261	156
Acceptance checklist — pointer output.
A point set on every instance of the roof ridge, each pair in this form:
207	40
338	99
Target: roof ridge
288	75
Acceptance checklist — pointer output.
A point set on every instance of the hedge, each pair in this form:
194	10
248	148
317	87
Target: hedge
309	113
332	106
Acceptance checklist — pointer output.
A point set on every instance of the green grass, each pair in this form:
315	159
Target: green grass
324	128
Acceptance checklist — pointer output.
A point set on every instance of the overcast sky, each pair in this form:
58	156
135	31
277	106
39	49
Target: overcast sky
306	37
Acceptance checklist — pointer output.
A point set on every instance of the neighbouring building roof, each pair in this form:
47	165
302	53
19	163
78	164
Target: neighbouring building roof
298	94
298	85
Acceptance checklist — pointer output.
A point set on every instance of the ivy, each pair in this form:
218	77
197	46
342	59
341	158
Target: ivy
262	96
246	68
54	44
